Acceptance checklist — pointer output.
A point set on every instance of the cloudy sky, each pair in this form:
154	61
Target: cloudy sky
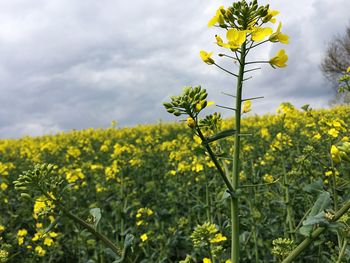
77	64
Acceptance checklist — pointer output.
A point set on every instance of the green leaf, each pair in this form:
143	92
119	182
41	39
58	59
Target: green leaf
317	214
129	239
314	187
221	135
96	213
317	219
305	230
323	202
226	195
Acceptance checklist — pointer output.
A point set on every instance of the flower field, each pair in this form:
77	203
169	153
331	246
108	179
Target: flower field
157	184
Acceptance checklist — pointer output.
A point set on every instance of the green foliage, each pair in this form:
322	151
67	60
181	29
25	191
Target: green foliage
163	168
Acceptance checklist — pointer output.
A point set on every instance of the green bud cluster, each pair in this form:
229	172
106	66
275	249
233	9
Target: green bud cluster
211	122
190	102
43	178
242	15
202	234
282	247
3	255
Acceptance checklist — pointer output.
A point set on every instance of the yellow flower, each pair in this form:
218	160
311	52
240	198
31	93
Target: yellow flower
218	238
333	132
265	133
22	232
40	251
317	136
36	236
219	41
42	205
259	33
247	106
48	241
191	122
20	240
206	260
268	178
3	186
144	237
328	173
278	36
53	234
149	211
279	60
2	228
228	261
235	38
198	167
335	154
74	175
218	18
345	139
270	16
348	69
206	57
201	105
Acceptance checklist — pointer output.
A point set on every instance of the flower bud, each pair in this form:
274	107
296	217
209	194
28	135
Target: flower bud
167	105
26	196
191	122
177	113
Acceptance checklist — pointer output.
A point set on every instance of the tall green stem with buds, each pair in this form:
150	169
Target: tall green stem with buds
236	161
243	23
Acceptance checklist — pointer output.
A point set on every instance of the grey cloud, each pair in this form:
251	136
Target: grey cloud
78	64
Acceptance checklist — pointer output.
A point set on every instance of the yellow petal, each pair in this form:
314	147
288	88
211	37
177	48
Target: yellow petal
247	106
235	37
218	18
219	41
279	60
258	33
278	36
206	57
210	103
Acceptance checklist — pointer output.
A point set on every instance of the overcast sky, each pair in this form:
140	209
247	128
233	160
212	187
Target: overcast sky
77	64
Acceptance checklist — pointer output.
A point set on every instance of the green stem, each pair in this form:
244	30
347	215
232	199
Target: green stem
235	173
216	162
335	195
92	230
255	234
289	216
207	201
342	251
315	234
81	222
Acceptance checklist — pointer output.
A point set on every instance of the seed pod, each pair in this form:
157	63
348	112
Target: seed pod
203	96
167	105
25	196
177	113
20	188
